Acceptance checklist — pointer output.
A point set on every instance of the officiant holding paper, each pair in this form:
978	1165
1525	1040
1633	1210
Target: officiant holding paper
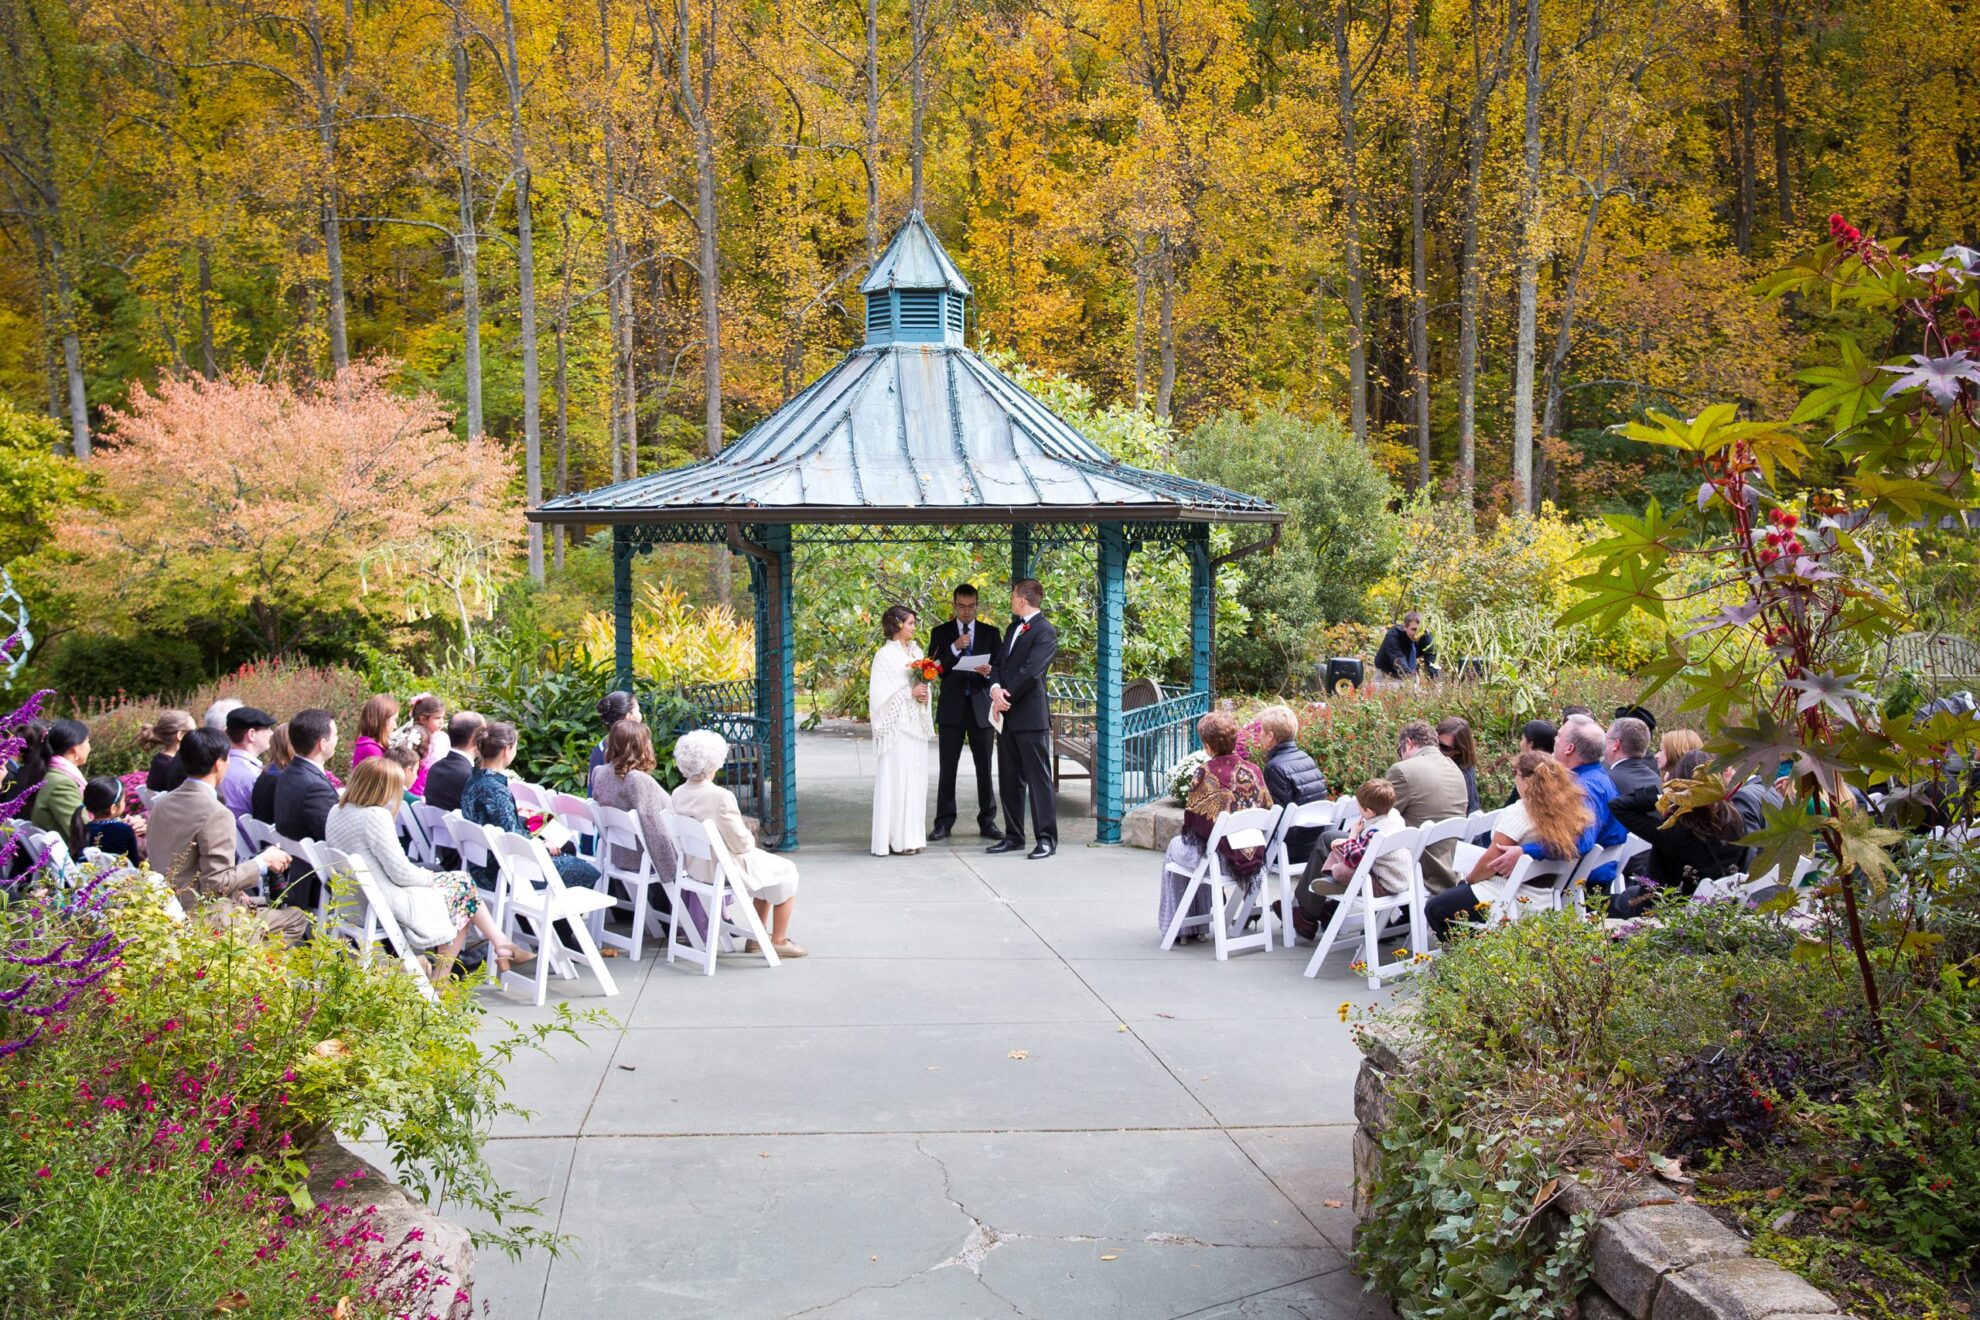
964	647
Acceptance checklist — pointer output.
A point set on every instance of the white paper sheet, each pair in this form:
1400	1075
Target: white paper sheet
971	664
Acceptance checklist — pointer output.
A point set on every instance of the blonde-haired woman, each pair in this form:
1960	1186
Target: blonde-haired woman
1673	747
1552	811
162	738
772	881
433	908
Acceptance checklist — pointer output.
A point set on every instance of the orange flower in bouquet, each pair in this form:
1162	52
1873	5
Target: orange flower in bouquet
925	670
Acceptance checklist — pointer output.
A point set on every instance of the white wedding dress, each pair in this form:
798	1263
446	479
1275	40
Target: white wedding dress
902	730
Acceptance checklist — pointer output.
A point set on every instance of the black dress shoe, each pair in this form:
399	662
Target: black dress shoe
992	832
1005	845
939	833
1045	848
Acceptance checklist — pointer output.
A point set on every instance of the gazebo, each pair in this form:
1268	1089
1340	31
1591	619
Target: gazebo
914	437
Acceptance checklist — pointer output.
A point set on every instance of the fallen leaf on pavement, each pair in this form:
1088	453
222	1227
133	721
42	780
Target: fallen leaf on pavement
1331	1205
1018	1054
1110	1257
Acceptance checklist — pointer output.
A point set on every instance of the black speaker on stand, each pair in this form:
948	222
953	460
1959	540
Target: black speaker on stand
1344	675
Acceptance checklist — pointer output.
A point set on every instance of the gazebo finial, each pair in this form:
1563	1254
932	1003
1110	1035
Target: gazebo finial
914	293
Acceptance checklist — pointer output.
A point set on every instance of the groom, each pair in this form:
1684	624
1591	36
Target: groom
1024	748
962	713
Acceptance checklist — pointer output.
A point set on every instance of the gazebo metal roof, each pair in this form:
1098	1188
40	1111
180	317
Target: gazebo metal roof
905	430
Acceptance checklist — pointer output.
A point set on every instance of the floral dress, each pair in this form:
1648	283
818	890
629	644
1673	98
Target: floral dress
487	801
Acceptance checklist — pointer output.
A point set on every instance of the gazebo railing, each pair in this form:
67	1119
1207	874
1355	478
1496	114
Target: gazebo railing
1155	737
729	709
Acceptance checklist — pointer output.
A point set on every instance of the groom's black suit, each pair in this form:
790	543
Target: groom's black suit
962	715
1024	755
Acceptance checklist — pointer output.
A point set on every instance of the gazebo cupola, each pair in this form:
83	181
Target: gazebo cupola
915	294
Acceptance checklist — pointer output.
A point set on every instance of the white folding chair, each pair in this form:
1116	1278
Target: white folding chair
1288	869
416	841
144	797
531	799
433	821
471	841
1481	822
1208	876
538	894
362	916
1534	884
619	832
694	842
1362	901
576	815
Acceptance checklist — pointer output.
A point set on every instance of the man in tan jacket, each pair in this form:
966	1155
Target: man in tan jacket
191	837
1429	788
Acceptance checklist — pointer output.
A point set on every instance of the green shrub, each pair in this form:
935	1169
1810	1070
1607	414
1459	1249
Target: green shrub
101	667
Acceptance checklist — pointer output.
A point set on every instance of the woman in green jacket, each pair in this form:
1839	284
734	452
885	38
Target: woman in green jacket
58	802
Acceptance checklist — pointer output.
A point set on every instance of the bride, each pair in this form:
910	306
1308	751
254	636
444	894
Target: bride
897	703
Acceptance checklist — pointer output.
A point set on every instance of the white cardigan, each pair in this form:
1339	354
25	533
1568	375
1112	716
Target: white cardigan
412	893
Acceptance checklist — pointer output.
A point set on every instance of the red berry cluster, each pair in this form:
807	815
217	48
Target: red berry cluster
1964	332
1843	234
1781	538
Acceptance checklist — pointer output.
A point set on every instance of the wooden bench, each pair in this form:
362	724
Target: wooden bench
1074	731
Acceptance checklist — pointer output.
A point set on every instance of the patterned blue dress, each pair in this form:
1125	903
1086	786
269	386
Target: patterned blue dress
487	801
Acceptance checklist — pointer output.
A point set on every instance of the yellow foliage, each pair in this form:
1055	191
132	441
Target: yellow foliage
676	643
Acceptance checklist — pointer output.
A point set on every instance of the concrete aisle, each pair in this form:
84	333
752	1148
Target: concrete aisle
986	1093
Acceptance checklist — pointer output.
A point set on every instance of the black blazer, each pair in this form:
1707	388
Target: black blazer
1020	668
303	798
445	779
962	698
1638	785
261	802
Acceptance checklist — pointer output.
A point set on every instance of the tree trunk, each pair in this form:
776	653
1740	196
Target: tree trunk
72	367
1165	388
1419	296
209	362
1743	206
617	286
918	98
872	152
561	388
1777	80
1550	418
1477	126
328	104
1529	274
1357	343
467	241
526	293
694	102
1140	327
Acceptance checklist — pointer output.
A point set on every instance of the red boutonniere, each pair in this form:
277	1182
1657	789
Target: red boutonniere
1023	628
925	669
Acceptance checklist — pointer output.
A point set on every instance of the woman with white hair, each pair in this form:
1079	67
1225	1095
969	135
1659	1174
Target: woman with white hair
770	880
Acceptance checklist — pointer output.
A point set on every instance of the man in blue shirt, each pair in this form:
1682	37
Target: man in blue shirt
1579	746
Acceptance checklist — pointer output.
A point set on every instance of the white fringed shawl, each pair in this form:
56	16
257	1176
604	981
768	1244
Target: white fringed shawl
890	699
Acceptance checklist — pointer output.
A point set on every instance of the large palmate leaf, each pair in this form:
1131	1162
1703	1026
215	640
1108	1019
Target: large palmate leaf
1789	833
1845	393
1615	590
1831	692
1940	377
1649	538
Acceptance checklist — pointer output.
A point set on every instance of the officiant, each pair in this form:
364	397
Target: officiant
962	711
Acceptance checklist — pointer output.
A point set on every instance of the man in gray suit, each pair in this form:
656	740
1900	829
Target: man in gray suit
1429	788
191	840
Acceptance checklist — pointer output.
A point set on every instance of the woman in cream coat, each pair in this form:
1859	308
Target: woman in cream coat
771	880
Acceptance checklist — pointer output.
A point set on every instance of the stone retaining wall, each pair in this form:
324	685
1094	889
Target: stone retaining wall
432	1253
1657	1256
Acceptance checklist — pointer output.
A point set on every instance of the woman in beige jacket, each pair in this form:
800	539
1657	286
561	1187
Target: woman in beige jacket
771	880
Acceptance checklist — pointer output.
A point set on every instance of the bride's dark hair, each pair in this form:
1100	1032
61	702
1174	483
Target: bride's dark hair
891	621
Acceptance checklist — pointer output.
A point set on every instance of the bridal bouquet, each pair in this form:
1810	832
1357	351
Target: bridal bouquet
924	670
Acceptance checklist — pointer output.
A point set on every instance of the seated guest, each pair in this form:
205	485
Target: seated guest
304	796
1429	788
626	782
1225	782
447	776
1535	736
1579	747
216	714
248	734
771	880
377	717
161	738
1552	812
487	800
192	843
107	830
29	766
1407	650
1696	843
274	760
1673	747
58	803
1627	751
1291	777
433	908
612	707
1455	741
1327	877
429	716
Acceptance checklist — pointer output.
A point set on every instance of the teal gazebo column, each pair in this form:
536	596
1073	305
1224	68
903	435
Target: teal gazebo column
1020	552
622	608
776	678
1202	606
1109	762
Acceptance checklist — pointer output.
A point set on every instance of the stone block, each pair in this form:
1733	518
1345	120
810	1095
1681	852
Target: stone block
1579	1198
1367	1167
1635	1249
1371	1097
411	1233
1595	1305
1152	826
1740	1288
